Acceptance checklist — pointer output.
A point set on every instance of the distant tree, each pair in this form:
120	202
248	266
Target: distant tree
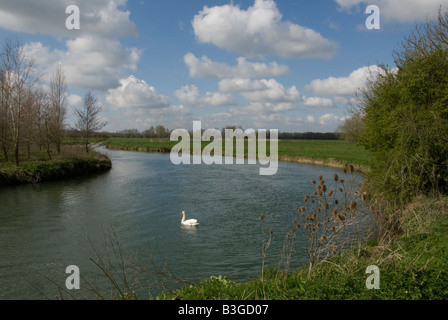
88	119
150	133
352	128
130	133
162	132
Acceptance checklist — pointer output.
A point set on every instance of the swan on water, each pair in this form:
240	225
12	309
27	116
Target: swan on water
190	222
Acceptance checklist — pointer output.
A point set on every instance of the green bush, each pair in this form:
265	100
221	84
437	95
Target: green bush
406	126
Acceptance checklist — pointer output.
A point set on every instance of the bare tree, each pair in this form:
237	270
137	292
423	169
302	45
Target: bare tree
5	136
89	120
17	80
58	103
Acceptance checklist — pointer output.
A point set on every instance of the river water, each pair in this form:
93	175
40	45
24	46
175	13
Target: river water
133	214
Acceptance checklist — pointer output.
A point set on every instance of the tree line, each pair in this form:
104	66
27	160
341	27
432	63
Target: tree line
160	131
33	114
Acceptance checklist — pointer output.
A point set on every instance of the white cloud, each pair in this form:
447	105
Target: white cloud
265	108
329	120
205	68
89	62
134	94
74	100
399	10
258	32
104	18
171	117
318	102
310	119
190	95
93	57
344	86
260	90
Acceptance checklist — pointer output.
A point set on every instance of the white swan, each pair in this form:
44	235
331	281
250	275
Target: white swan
190	222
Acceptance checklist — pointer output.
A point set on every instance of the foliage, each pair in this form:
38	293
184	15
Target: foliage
69	163
406	119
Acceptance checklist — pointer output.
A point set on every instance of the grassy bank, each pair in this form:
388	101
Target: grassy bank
333	153
413	267
70	163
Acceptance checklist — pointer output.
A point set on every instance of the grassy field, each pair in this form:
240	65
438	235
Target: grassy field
331	152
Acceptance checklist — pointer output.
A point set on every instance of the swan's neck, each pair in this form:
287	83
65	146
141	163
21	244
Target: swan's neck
183	218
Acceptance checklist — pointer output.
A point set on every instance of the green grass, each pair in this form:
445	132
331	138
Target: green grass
71	162
336	150
331	151
415	267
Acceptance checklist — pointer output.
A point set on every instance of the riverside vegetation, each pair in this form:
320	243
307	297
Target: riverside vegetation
32	123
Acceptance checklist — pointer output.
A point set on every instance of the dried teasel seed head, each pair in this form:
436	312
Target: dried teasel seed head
307	218
342	181
344	170
340	189
298	226
320	178
327	206
335	211
324	188
330	193
261	217
336	201
271	232
363	196
306	198
318	225
351	168
314	181
314	230
294	221
336	177
372	208
353	205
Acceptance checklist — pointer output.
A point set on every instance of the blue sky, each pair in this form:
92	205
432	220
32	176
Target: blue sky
292	65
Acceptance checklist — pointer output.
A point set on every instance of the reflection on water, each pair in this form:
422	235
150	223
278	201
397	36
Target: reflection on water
45	228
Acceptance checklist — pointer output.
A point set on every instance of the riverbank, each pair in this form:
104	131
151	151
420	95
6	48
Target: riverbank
412	267
66	165
331	153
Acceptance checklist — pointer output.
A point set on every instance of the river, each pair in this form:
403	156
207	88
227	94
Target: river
133	212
